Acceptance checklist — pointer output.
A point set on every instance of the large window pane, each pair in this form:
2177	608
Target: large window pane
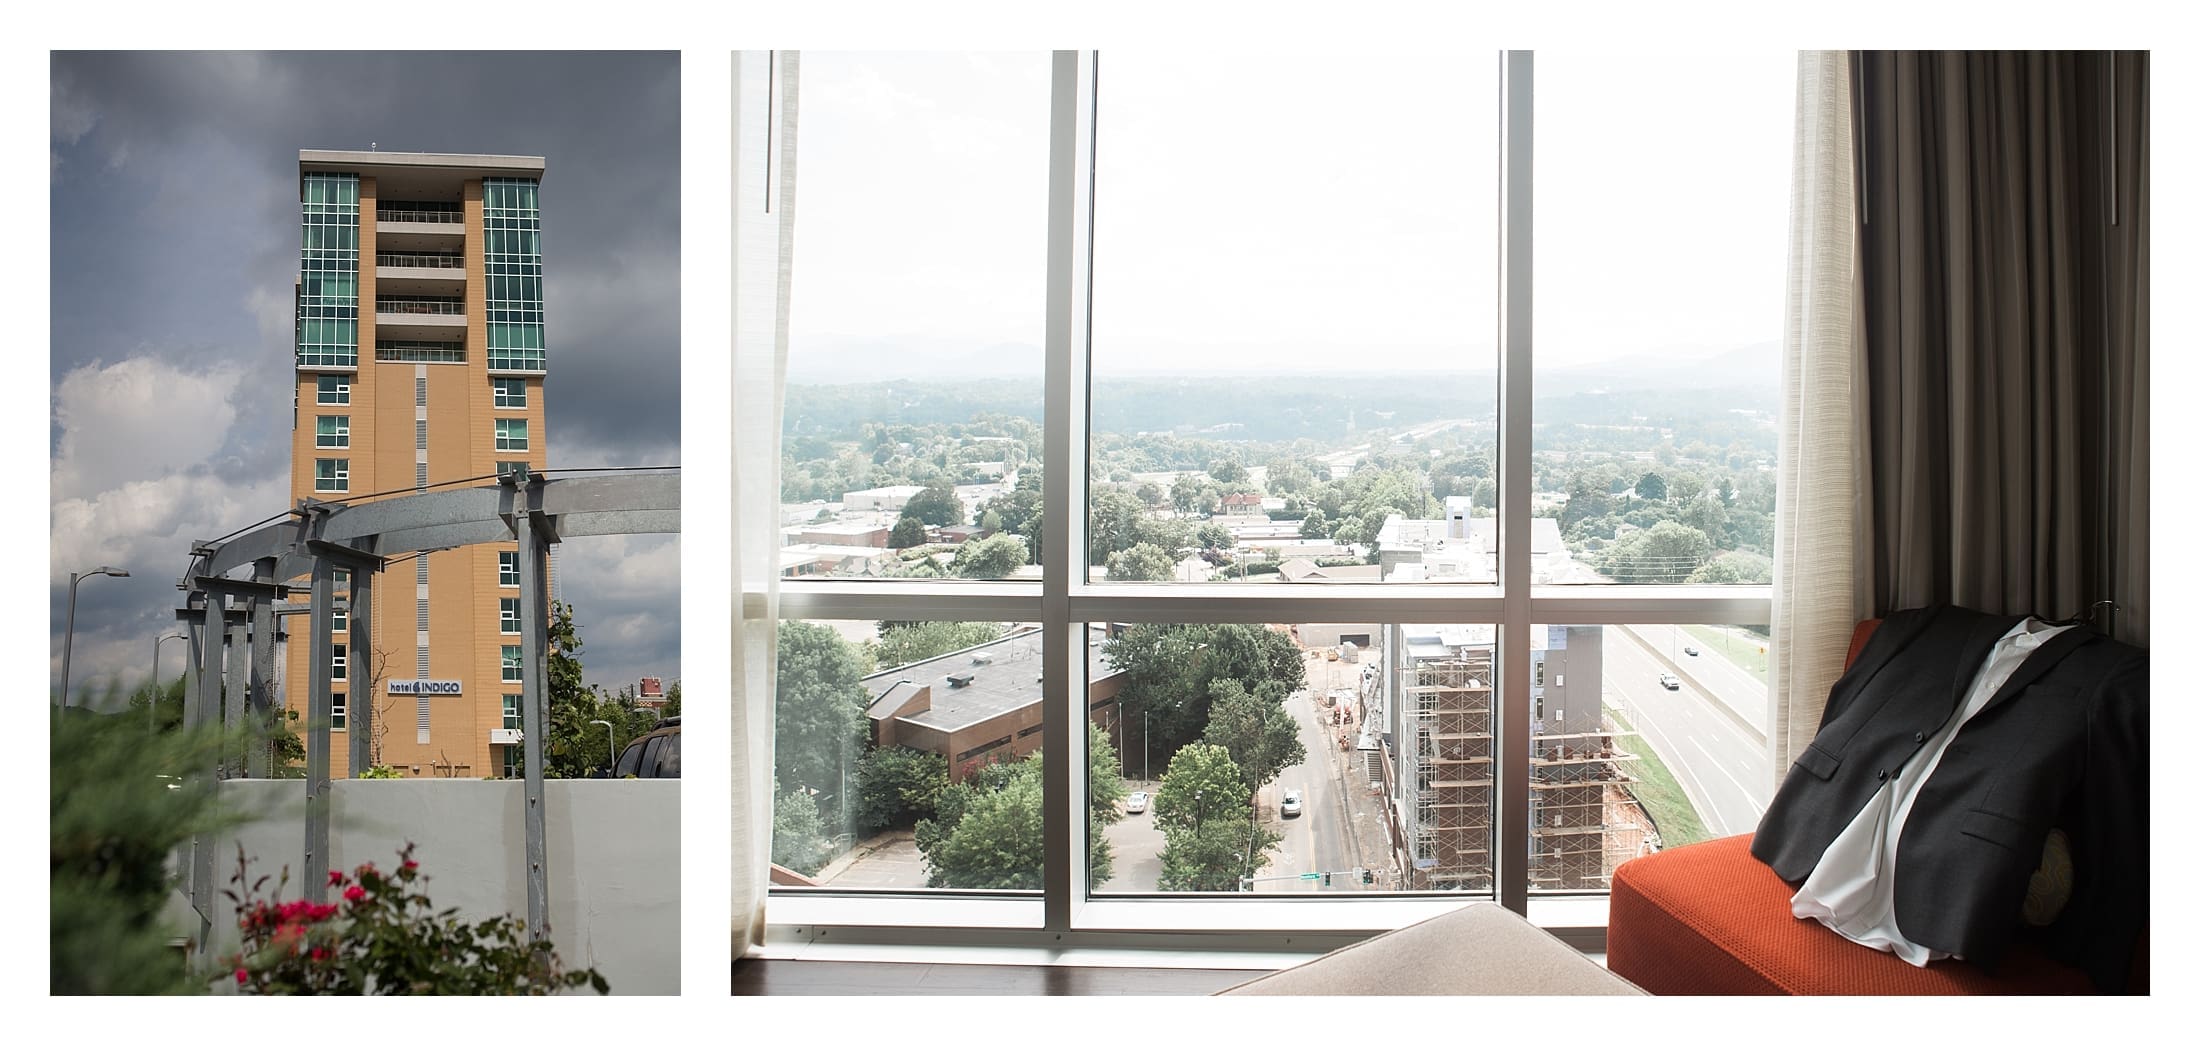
1294	310
1660	249
1258	759
907	756
1691	704
918	323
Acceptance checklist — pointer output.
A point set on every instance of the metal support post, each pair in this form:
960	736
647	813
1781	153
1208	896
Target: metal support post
320	706
243	675
360	715
236	679
192	616
263	709
534	615
199	716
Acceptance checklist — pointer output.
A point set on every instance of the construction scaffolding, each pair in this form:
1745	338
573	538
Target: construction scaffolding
1449	742
1583	820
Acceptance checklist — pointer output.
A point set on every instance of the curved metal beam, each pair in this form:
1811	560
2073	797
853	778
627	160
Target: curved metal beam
638	503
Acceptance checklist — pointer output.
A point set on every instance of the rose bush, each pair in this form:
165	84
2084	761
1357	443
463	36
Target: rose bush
384	938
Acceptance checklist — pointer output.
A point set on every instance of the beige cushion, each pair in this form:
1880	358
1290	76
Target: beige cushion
1482	949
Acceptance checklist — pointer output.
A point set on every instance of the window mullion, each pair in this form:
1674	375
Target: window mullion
1515	465
1068	325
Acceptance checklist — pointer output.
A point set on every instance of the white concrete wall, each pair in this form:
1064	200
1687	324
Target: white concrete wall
613	849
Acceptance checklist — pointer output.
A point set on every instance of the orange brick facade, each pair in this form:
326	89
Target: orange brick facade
464	626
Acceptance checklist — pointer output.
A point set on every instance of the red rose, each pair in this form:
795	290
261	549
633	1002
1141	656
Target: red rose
355	895
240	975
335	876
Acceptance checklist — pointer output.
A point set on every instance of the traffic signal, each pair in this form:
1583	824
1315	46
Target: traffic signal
1367	876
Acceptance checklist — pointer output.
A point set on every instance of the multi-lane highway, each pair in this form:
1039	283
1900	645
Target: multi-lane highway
1721	764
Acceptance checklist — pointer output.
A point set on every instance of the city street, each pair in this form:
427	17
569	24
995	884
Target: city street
1318	840
1721	765
1137	843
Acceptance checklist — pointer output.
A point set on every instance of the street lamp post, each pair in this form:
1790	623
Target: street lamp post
68	634
611	759
152	697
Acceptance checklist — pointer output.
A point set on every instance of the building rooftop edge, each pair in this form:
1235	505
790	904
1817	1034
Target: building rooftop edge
354	157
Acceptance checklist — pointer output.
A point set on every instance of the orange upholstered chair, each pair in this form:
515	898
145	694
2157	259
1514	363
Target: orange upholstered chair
1710	919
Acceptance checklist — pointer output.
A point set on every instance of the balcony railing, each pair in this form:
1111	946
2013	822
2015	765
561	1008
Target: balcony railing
405	214
420	308
421	261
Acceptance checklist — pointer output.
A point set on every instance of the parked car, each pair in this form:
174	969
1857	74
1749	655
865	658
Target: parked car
654	754
1669	681
1689	650
1291	807
1136	804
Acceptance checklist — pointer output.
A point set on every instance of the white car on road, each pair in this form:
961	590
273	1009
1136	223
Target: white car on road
1291	807
1136	803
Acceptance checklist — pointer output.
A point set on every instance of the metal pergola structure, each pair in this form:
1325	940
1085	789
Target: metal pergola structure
317	539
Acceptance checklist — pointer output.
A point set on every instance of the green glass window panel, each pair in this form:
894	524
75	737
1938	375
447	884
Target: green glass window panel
332	430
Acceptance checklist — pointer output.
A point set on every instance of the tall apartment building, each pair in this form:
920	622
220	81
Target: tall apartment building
420	361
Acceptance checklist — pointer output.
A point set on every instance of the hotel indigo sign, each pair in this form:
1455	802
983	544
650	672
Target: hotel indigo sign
428	687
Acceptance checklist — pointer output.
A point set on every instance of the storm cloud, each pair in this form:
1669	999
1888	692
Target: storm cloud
174	247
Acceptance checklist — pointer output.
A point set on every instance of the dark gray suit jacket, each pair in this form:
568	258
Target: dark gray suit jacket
2063	744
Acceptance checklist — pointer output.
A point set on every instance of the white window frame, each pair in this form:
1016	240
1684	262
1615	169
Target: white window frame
1065	600
509	708
511	434
339	711
332	390
508	616
508	664
339	662
338	478
508	393
508	567
340	439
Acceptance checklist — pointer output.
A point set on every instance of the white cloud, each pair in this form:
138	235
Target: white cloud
137	420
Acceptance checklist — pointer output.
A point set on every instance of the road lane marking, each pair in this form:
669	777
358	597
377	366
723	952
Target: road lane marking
1754	806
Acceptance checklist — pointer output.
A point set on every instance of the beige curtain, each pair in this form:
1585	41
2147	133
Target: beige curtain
1816	528
764	109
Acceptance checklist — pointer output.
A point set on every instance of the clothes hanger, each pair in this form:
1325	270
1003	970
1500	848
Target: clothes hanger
2087	616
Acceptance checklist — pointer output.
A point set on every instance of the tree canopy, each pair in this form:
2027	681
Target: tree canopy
819	729
1170	668
987	832
1204	810
1261	737
936	505
989	558
916	641
897	787
908	532
1141	563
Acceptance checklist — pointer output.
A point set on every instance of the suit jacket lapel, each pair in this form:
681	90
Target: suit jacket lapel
2038	663
1880	649
1984	633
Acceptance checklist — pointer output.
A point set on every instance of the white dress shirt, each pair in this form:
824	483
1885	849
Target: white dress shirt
1852	889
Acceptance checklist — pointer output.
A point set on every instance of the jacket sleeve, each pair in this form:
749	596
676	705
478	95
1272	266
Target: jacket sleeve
2106	822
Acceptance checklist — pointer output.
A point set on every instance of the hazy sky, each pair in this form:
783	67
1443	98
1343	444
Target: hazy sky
174	248
1287	212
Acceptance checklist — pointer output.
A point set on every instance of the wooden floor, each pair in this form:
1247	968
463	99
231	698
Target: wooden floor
822	977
